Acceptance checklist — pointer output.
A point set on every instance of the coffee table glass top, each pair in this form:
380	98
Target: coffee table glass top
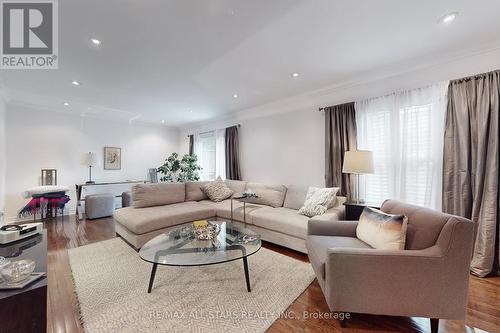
181	247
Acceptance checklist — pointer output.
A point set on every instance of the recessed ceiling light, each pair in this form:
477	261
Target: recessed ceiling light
295	74
163	121
95	41
235	95
448	18
75	83
66	104
190	111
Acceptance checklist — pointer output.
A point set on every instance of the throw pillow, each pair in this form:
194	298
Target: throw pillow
217	190
331	199
318	200
382	231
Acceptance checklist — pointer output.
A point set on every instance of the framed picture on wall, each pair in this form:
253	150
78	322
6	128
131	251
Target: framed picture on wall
49	177
112	158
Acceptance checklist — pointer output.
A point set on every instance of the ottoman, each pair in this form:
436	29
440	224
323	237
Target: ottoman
99	205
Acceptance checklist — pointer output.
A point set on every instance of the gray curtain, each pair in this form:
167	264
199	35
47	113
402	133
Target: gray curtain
232	154
191	144
340	136
471	163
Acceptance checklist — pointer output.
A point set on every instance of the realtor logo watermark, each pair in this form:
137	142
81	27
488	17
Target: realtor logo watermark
29	34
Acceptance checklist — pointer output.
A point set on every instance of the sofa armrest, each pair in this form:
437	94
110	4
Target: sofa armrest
332	228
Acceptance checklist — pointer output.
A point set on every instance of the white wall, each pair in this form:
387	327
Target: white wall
38	139
3	147
280	149
283	142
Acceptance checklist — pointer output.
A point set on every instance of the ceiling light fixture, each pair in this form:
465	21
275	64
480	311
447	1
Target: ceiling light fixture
163	121
235	95
448	18
66	104
190	111
75	83
295	74
95	41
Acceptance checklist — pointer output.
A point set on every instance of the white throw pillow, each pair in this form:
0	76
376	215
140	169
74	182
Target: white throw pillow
382	231
217	190
331	199
318	200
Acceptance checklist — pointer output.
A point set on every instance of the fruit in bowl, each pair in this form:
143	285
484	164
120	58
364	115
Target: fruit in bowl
17	271
210	232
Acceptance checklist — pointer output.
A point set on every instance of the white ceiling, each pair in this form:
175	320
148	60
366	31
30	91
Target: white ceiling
160	58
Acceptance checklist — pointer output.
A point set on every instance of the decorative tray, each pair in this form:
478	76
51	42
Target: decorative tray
33	277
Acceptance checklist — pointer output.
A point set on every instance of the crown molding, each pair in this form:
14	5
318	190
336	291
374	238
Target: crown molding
30	101
330	94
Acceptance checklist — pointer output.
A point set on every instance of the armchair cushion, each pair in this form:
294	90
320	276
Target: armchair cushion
318	248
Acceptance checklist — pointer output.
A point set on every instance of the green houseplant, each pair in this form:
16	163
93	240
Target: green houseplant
180	170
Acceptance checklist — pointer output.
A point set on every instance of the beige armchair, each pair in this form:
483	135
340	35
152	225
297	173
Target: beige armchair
429	279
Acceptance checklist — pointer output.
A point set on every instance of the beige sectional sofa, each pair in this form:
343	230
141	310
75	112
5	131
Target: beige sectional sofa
157	208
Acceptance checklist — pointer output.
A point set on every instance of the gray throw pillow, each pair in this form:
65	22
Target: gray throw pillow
217	190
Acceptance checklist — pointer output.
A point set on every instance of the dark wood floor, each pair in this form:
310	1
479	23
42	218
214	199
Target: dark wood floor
63	313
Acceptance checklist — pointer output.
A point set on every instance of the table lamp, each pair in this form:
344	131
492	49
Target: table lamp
89	160
358	162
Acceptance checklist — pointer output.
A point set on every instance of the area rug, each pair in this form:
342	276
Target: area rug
111	285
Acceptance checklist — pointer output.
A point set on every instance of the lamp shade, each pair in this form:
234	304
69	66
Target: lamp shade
358	162
88	159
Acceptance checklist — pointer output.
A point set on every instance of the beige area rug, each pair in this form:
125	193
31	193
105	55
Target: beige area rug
111	284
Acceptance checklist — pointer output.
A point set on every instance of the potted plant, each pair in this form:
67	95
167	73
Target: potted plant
180	170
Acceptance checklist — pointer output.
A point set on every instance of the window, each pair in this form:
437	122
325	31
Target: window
209	148
206	155
405	132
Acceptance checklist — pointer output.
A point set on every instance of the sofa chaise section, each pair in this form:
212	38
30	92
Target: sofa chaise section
142	223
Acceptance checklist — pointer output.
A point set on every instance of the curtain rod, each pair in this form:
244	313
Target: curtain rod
238	125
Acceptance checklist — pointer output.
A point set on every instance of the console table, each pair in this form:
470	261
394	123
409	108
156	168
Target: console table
80	187
25	310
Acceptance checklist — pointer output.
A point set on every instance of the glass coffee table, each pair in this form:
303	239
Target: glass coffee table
181	247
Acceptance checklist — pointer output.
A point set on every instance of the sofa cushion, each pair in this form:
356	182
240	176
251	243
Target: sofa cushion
223	209
194	192
284	220
269	195
295	197
237	186
381	230
148	195
143	220
217	190
317	247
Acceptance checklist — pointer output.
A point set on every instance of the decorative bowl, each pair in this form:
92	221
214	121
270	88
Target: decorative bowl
17	271
209	232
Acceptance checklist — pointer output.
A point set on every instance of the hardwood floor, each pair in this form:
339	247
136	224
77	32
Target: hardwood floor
63	313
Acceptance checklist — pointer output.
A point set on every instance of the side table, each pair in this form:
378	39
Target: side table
242	198
353	210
